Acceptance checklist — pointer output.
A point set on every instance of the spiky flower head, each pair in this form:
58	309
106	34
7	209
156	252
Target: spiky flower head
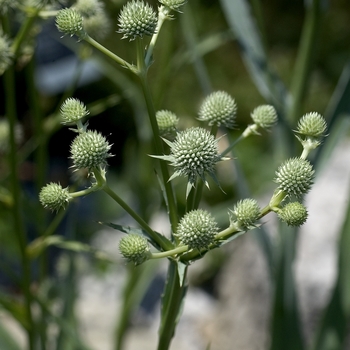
137	18
293	214
197	229
70	21
54	197
134	248
219	108
72	110
90	150
193	153
245	214
264	116
6	54
295	176
167	122
312	125
173	4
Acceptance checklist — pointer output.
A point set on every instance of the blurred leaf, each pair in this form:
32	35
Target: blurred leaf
7	342
36	247
286	326
333	328
239	18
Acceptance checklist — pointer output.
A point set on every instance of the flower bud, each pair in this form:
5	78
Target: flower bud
219	108
295	176
72	110
54	197
137	19
90	150
293	214
69	21
245	214
312	125
6	53
264	116
167	122
134	248
197	229
173	4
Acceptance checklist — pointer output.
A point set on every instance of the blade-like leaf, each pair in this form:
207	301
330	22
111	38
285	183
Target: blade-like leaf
239	18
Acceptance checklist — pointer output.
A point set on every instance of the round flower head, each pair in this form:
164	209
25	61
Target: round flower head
193	153
69	21
6	53
293	214
54	197
312	125
173	4
264	116
134	248
295	176
72	110
167	122
219	108
244	214
197	229
90	150
137	19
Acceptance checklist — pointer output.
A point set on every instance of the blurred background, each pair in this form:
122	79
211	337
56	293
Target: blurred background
273	288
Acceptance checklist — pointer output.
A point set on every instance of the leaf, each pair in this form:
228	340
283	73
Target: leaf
239	18
181	270
139	231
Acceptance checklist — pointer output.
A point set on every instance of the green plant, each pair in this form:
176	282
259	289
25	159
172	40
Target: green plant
192	153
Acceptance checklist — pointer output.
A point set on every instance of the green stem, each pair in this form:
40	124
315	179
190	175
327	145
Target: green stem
161	241
170	253
110	54
173	296
304	59
11	113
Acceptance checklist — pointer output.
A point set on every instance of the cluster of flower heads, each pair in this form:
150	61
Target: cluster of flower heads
89	150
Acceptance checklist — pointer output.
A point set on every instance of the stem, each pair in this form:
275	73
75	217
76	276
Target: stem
110	54
169	253
161	241
19	230
304	59
173	296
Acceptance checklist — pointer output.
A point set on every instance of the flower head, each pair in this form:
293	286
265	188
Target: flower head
264	116
245	214
293	214
193	153
167	122
137	19
295	176
70	21
312	125
134	248
72	110
219	108
90	150
197	229
173	4
54	197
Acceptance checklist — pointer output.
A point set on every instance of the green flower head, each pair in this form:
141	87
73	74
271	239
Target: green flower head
137	19
73	110
219	108
173	4
193	153
245	214
70	22
134	248
167	122
264	116
90	150
293	214
312	125
295	176
54	197
197	229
